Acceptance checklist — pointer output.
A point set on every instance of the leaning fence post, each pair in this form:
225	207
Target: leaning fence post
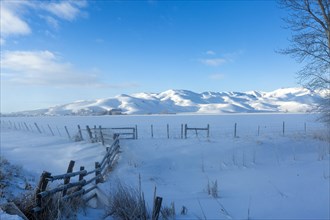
27	128
80	134
67	179
43	182
58	131
37	127
89	133
51	130
66	129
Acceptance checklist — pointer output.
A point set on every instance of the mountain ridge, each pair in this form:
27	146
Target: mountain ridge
295	100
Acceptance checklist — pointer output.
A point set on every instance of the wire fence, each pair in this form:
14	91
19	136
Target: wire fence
172	130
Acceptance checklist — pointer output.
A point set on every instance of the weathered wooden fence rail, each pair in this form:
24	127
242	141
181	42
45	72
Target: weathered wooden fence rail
105	135
80	187
185	129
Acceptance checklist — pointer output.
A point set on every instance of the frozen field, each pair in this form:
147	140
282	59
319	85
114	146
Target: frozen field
265	176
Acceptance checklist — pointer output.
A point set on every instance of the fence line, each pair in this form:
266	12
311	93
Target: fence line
177	131
71	189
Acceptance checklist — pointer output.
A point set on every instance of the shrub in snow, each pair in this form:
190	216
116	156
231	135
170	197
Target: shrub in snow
212	188
168	212
126	202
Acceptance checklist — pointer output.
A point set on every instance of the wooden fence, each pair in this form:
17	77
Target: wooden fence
71	189
185	129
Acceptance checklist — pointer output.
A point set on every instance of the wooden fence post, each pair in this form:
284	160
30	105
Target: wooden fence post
43	182
15	126
89	133
59	133
168	131
67	132
43	129
97	172
152	131
80	134
181	131
136	132
156	209
208	130
95	133
305	127
283	129
258	130
37	127
51	130
67	179
27	128
185	131
81	176
235	130
101	135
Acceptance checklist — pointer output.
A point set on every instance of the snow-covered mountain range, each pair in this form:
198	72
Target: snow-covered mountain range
184	101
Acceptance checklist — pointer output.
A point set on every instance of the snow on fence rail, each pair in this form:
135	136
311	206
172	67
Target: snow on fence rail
81	186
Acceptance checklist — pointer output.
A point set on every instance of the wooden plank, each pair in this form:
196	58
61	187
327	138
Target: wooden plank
67	175
61	188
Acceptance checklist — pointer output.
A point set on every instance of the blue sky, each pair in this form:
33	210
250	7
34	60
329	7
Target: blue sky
55	52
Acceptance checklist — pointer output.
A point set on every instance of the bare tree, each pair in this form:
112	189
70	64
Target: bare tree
309	21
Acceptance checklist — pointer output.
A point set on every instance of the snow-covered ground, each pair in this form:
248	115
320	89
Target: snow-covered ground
269	176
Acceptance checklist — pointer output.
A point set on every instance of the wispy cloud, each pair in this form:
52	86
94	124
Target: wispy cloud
11	23
66	10
216	76
13	16
43	68
219	59
210	52
213	62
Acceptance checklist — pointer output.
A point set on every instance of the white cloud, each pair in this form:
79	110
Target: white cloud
67	10
14	13
216	76
213	62
51	21
210	52
11	23
43	68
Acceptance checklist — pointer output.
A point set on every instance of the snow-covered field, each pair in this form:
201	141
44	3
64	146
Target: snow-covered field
265	176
